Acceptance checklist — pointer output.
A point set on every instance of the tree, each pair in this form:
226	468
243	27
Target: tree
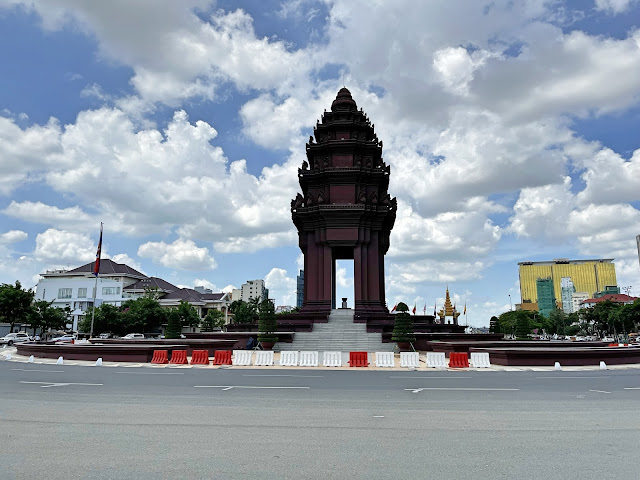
243	312
143	314
188	314
107	318
214	319
267	324
44	316
403	325
494	325
174	325
15	304
522	326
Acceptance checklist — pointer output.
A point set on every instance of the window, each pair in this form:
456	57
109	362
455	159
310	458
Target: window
82	293
110	290
64	293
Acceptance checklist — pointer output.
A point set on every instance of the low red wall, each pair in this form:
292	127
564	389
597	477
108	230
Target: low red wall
566	356
108	353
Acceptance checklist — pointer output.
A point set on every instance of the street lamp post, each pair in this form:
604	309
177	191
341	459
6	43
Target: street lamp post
510	304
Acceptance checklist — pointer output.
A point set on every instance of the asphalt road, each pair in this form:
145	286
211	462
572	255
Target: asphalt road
145	423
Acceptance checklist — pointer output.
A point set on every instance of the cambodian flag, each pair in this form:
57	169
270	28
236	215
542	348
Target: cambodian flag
394	308
96	266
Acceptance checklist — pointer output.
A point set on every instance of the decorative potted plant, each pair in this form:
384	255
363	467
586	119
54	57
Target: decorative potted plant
403	327
267	324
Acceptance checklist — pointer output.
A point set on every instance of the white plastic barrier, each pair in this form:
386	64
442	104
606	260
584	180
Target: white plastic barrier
480	360
242	357
60	361
603	366
31	359
308	359
332	359
409	359
385	359
289	359
436	360
99	362
557	366
264	358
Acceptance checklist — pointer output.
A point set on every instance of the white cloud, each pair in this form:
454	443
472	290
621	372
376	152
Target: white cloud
38	212
62	247
181	254
127	260
12	236
281	286
613	6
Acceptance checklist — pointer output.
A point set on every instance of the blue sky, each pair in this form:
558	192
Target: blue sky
510	127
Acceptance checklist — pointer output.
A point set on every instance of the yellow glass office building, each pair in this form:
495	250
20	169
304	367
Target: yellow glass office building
590	276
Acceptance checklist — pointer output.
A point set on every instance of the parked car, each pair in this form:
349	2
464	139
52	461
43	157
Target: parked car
106	335
65	339
16	337
134	335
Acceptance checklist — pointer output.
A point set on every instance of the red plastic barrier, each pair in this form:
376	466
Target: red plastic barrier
200	357
179	357
458	360
613	345
222	357
358	359
160	356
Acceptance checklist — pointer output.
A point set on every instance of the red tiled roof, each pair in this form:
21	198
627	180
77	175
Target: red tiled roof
108	267
613	297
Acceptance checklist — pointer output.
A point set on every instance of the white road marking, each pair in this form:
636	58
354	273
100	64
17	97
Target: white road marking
562	377
416	390
36	370
297	376
54	384
632	388
152	373
378	416
599	391
229	387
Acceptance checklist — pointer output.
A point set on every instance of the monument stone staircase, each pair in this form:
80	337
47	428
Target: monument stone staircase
339	334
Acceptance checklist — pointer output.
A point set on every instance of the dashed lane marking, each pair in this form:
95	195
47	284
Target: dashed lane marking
599	391
36	370
416	390
65	384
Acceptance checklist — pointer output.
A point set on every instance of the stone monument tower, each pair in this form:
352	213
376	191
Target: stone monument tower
344	211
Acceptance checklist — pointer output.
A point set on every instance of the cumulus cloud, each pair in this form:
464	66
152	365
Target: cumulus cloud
12	236
181	254
281	286
61	247
613	6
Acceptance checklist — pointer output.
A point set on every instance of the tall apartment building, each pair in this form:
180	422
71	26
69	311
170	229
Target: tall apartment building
546	298
567	289
300	289
588	276
249	290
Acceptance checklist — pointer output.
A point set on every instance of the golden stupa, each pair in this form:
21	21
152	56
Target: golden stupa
448	310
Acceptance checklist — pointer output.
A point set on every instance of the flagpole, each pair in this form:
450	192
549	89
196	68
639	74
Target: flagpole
96	272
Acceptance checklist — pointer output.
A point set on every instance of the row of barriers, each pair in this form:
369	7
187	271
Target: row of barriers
329	359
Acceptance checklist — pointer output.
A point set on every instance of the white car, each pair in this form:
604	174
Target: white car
129	336
11	338
65	339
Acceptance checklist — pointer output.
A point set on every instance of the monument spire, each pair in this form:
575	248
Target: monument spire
344	210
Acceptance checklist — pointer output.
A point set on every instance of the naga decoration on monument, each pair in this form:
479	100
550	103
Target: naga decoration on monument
344	211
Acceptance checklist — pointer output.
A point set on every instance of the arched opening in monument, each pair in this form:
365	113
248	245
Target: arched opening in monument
344	283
